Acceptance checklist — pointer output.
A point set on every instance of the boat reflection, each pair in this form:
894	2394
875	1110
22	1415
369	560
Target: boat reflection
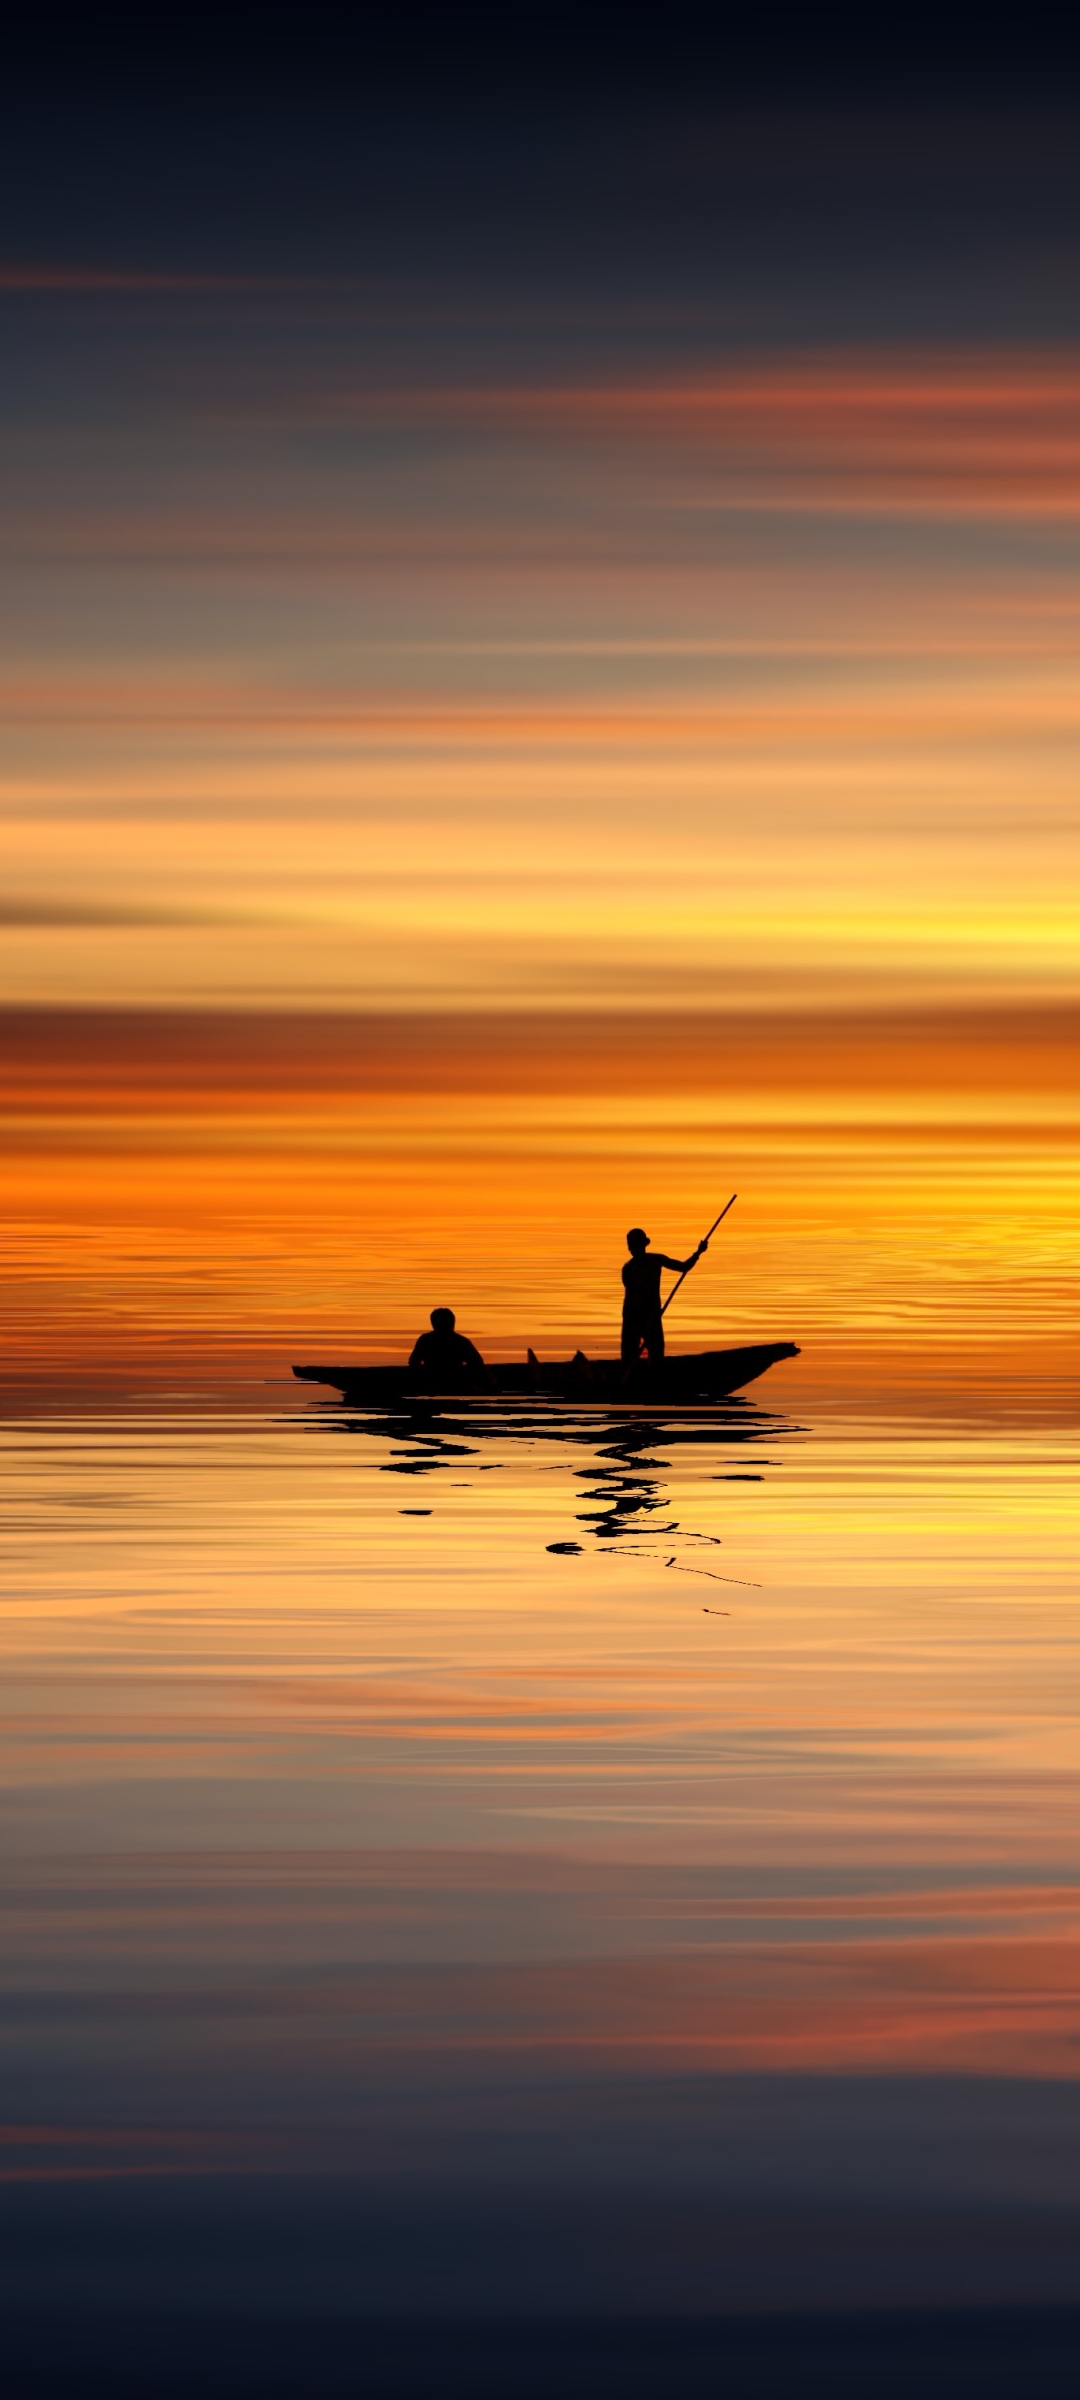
624	1500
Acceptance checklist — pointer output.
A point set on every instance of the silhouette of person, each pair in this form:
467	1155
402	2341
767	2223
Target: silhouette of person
444	1361
642	1323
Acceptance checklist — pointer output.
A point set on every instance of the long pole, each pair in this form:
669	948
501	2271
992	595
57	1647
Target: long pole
693	1262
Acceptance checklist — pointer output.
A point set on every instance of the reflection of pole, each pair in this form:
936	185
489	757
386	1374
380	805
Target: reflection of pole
693	1262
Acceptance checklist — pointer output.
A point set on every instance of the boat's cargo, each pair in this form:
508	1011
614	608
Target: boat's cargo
695	1375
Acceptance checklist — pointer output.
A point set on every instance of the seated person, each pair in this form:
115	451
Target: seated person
443	1361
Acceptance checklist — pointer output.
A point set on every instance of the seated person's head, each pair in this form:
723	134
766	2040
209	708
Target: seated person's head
637	1241
442	1320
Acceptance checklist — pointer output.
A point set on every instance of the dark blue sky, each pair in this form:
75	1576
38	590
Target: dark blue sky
827	182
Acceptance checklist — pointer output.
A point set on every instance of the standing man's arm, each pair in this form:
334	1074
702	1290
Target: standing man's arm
680	1266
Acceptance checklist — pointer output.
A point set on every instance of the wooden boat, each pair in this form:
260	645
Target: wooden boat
691	1376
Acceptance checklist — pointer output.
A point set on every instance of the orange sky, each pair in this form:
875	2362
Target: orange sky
228	1192
637	787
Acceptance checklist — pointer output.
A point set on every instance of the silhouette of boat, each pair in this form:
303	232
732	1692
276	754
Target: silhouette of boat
693	1375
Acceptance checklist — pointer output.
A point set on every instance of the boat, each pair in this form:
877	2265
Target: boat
687	1377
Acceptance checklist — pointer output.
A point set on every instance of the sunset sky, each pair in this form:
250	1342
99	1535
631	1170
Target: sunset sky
539	684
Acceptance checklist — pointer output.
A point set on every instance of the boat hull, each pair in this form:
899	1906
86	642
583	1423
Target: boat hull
694	1375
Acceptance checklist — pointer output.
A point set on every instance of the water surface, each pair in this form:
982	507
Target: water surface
560	1743
476	1868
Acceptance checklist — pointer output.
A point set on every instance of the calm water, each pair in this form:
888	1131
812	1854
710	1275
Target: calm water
501	1817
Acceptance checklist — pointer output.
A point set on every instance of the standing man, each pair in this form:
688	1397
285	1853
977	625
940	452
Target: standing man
642	1323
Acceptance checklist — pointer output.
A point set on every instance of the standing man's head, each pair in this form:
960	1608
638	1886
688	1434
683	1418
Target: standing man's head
637	1241
442	1320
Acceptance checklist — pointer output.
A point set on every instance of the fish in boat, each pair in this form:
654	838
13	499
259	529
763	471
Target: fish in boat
693	1375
